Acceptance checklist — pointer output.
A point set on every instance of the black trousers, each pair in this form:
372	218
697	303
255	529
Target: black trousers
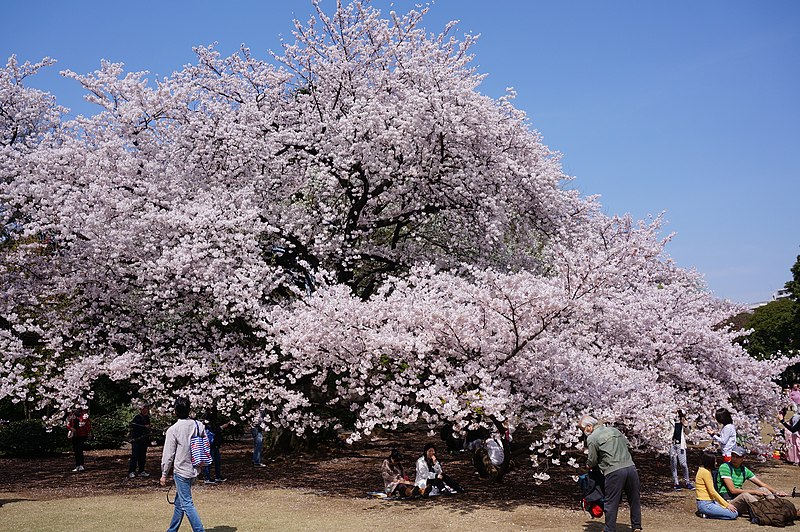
622	480
78	443
445	481
138	456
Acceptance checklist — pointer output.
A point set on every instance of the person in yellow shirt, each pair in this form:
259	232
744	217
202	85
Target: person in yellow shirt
710	503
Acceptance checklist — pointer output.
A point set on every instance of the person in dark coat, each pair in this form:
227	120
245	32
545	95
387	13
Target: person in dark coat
217	437
139	436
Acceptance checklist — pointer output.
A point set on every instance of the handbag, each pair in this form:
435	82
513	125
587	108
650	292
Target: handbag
200	448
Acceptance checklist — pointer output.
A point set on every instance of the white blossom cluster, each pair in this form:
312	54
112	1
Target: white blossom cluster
346	235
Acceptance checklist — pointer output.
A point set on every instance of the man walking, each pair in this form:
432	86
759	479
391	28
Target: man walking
178	454
609	450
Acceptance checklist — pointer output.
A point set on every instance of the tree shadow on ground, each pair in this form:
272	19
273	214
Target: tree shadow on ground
349	472
3	502
222	528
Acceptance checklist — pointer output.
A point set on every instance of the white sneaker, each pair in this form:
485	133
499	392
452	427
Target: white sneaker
81	468
131	475
144	474
76	469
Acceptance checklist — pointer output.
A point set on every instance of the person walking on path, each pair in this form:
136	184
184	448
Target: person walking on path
177	455
609	450
140	439
79	427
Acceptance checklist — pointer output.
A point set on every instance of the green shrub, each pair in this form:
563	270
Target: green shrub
111	431
31	438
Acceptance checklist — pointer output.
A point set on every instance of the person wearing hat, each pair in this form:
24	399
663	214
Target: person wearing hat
732	477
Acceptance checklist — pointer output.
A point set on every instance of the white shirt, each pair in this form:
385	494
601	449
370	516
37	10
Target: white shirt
727	438
177	452
495	451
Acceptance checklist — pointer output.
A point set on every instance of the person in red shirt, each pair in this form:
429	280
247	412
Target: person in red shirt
79	427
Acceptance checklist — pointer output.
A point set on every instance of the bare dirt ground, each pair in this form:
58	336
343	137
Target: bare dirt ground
327	490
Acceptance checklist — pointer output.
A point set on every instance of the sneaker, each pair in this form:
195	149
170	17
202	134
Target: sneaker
699	514
131	475
677	487
222	479
259	465
209	482
76	469
689	486
81	468
144	474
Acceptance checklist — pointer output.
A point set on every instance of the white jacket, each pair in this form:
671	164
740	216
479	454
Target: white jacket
424	473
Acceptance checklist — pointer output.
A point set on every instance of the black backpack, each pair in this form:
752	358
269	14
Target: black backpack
592	486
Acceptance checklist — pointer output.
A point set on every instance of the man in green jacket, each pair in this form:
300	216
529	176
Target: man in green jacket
608	450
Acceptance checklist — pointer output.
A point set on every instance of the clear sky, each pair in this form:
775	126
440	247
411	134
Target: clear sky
684	106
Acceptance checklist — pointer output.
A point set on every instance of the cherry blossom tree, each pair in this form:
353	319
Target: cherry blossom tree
348	226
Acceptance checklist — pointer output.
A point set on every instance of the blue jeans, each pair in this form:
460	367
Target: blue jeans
258	445
215	459
712	510
184	505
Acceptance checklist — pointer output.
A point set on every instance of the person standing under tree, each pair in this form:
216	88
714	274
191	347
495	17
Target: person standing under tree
217	438
257	430
609	450
140	439
177	454
677	451
727	434
79	427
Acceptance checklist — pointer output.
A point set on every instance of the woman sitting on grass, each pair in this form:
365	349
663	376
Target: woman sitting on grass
430	475
710	503
396	482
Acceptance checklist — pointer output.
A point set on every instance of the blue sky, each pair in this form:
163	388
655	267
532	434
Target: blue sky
687	107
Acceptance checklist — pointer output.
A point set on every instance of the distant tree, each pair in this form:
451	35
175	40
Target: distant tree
793	286
774	330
